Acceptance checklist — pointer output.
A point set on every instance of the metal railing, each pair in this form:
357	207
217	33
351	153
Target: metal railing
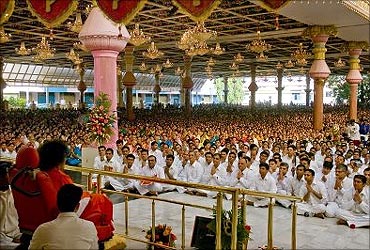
235	192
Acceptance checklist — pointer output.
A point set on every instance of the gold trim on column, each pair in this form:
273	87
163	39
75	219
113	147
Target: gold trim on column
350	45
354	63
319	51
316	30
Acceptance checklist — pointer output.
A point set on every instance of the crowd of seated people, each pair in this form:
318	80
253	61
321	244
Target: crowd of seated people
270	150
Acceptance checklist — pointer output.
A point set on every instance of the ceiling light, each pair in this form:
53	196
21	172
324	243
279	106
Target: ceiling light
23	51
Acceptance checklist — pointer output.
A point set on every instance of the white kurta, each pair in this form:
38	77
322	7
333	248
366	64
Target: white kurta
355	213
335	197
266	184
67	231
313	205
143	187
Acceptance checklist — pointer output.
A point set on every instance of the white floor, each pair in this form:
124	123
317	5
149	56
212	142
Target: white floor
312	233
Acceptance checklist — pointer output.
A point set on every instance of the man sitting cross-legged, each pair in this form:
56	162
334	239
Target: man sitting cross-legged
151	170
314	196
355	211
263	182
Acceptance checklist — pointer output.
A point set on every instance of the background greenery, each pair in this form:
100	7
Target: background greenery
341	89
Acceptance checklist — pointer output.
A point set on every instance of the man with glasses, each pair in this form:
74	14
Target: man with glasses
111	164
335	193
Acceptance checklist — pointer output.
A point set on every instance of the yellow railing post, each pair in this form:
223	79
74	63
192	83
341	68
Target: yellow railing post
219	207
270	225
294	225
234	225
183	227
244	214
153	220
99	184
126	214
89	182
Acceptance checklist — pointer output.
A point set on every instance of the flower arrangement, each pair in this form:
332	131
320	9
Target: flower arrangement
243	231
100	124
163	236
94	187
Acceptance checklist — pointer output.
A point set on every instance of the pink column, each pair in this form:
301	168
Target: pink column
105	81
105	40
319	70
354	77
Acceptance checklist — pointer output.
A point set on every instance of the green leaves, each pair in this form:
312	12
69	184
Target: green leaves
243	231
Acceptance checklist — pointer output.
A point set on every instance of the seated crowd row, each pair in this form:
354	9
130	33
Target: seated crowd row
331	184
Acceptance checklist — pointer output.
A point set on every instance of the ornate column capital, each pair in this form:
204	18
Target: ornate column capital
354	45
354	48
319	30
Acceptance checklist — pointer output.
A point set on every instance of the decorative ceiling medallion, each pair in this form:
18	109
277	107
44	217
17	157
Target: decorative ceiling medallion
196	10
122	11
52	13
6	10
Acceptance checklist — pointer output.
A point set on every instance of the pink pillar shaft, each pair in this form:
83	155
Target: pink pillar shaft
105	80
318	115
353	101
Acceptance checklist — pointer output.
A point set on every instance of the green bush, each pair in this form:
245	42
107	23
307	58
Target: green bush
15	102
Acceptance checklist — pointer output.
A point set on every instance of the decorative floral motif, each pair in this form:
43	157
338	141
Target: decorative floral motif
243	231
163	236
101	121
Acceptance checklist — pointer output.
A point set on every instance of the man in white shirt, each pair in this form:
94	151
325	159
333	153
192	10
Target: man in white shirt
353	130
193	173
170	172
112	165
335	193
152	170
142	161
296	182
244	176
129	168
355	211
11	151
156	152
67	231
314	196
216	175
118	155
100	159
327	175
207	166
3	150
263	182
283	183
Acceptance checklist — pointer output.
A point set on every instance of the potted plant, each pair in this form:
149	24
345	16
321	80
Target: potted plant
243	231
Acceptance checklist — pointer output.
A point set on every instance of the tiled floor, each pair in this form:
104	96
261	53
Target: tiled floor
312	233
